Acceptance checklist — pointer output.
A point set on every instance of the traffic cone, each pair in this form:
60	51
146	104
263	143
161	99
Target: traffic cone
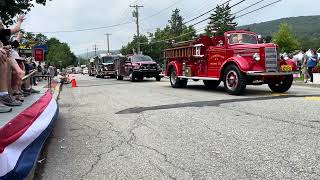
73	83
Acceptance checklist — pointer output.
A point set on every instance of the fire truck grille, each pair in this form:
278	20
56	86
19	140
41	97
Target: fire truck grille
149	67
271	60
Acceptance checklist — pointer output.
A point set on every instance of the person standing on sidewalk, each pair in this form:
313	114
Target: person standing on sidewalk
312	63
304	68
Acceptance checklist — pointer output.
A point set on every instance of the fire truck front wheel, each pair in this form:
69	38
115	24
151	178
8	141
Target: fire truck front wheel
175	81
132	76
234	80
282	85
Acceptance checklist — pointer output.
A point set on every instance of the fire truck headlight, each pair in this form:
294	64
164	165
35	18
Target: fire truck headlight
256	57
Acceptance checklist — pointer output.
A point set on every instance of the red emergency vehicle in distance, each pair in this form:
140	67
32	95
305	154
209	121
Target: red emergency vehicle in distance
236	59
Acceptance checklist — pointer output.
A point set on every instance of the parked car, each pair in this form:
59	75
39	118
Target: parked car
136	67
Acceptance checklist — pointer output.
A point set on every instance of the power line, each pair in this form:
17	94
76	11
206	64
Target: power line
205	13
222	4
205	26
248	7
259	8
159	12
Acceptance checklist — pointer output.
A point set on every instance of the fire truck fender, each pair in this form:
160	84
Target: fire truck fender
240	62
175	65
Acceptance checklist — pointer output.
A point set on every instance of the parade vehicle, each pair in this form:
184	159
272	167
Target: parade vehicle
236	59
92	66
136	67
104	66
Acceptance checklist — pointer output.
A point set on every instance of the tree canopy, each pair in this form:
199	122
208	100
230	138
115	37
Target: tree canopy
57	51
285	39
9	8
221	20
154	43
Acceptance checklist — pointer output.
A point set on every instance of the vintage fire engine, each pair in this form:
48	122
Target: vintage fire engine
236	59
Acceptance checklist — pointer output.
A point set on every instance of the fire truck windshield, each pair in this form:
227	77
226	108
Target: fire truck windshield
141	58
241	38
107	59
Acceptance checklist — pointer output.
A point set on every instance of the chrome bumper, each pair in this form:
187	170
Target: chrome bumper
259	73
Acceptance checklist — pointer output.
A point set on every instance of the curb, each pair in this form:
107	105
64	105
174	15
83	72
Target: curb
306	84
56	94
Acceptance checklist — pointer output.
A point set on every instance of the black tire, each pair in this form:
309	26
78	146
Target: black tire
140	78
211	84
119	77
234	80
158	78
282	85
175	81
132	76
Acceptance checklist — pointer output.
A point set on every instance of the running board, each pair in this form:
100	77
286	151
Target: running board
199	78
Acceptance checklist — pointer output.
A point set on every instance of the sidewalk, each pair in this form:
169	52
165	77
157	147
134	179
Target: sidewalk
24	131
301	83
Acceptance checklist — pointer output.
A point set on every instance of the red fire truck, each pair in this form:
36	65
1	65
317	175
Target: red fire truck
236	59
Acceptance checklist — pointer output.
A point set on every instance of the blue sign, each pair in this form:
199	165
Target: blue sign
44	47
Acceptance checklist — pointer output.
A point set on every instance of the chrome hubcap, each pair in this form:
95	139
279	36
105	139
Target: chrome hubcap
232	80
173	77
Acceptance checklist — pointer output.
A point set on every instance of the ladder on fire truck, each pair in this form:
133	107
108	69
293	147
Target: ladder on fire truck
184	51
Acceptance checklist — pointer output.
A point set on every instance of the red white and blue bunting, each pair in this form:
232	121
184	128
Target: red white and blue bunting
22	139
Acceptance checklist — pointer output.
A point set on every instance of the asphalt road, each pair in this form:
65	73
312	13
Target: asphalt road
111	129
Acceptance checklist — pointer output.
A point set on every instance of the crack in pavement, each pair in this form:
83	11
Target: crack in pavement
132	142
99	158
274	119
162	171
215	103
165	156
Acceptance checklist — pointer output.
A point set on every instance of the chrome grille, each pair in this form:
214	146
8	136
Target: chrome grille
271	60
149	66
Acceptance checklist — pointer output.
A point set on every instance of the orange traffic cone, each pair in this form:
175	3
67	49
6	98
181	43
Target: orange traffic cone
73	83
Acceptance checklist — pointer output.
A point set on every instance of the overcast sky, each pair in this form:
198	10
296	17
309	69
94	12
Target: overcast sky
60	15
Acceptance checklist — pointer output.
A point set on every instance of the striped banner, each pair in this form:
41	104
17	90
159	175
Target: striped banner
21	139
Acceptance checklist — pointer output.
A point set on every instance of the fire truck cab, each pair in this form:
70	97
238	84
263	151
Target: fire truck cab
236	59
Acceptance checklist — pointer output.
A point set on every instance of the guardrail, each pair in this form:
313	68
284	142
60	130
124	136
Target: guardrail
32	74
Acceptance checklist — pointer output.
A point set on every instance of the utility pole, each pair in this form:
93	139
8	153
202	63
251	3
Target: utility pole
87	53
107	34
95	49
136	15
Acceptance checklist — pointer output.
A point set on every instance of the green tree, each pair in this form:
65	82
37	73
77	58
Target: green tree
153	44
286	39
58	51
9	8
221	20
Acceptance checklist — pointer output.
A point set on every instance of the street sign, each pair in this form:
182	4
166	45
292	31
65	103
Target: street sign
25	52
44	47
38	54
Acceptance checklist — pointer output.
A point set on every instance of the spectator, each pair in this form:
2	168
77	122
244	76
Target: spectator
312	63
39	69
5	34
16	82
3	81
304	68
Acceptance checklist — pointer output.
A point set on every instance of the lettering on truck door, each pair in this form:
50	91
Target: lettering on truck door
216	56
